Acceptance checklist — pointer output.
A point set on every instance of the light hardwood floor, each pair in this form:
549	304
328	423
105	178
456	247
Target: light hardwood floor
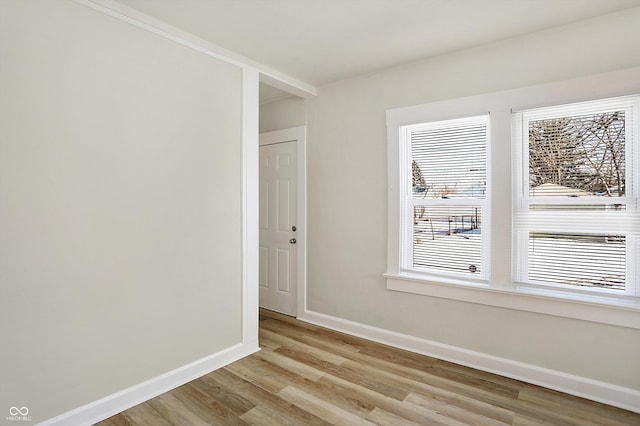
308	375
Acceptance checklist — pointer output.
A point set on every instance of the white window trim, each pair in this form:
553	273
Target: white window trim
500	290
605	222
409	202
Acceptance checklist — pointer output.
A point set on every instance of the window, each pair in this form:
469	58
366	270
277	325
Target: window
555	189
444	193
576	193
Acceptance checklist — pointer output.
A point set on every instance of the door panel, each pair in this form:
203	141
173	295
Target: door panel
278	210
284	267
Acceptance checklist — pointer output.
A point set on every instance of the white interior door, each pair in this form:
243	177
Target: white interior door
278	212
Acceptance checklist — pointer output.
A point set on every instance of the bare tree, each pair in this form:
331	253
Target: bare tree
583	152
445	190
604	149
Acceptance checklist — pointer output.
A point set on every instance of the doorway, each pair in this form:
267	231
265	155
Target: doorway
282	218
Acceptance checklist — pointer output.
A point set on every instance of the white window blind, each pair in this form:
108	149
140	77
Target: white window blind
444	192
576	221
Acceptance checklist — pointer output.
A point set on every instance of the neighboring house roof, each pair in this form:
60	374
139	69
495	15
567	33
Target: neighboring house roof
555	190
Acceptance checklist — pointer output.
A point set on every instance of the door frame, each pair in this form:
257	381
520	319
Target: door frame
298	135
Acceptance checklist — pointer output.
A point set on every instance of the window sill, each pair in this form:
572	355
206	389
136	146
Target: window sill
623	312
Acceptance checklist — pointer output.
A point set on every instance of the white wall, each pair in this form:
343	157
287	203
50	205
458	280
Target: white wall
347	201
282	114
120	206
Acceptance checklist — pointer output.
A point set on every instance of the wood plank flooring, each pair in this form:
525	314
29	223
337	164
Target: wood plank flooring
308	375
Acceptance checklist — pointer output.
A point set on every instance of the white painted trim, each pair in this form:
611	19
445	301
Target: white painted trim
250	206
285	135
158	27
618	396
500	289
113	404
298	134
588	307
283	84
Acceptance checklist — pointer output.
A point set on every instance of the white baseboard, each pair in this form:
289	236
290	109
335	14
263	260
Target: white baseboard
618	396
113	404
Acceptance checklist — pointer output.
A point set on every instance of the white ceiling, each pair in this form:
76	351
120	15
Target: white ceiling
322	41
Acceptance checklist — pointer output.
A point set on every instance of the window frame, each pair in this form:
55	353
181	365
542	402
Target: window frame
409	201
500	290
523	200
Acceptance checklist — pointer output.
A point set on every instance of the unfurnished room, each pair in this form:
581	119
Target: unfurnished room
314	212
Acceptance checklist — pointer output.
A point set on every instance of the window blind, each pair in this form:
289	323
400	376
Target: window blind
576	223
445	200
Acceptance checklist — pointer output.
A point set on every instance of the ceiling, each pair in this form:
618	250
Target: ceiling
323	41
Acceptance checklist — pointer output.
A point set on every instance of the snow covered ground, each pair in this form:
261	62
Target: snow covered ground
575	262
